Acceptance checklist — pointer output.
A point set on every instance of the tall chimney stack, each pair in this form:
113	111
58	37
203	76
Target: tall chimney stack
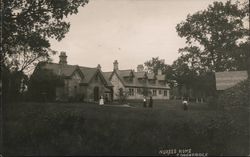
115	65
63	58
99	67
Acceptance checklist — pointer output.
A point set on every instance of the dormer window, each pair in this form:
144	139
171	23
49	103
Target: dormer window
128	79
151	81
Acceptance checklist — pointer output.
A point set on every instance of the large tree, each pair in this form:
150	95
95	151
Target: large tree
155	64
213	35
27	27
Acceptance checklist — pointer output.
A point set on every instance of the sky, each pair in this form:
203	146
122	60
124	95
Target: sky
130	31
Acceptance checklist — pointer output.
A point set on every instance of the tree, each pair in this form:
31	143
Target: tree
156	64
122	95
217	31
12	84
184	76
27	27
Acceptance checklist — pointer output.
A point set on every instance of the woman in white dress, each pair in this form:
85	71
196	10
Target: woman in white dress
101	102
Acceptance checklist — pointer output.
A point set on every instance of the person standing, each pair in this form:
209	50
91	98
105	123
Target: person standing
185	104
144	102
151	102
101	101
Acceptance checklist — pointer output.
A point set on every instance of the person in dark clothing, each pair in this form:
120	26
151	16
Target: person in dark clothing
151	102
106	99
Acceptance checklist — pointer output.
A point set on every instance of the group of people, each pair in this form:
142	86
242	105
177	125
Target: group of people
150	103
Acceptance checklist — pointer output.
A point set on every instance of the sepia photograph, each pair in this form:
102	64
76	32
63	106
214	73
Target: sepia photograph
125	78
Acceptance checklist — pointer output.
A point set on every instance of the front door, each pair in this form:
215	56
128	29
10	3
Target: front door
96	93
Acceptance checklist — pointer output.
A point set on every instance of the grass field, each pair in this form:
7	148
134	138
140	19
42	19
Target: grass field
90	129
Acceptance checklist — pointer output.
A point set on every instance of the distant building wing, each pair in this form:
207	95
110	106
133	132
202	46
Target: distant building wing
228	79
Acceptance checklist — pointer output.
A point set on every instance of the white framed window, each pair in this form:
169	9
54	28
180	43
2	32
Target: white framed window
154	92
160	91
139	90
165	93
131	92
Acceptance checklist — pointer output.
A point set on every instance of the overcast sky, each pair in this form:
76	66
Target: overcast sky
130	31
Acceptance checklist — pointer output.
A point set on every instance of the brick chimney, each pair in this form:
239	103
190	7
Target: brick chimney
99	67
140	68
63	58
115	65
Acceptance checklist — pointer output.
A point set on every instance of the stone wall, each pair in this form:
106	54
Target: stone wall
117	84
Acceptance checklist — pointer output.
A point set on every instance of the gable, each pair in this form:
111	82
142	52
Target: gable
98	78
77	76
115	78
116	81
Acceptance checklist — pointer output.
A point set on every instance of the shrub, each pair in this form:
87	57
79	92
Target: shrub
237	97
213	102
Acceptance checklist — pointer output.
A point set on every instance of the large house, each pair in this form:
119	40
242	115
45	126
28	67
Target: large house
82	82
137	84
90	84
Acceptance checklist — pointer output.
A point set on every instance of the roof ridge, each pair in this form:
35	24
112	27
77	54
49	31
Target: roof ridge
126	70
86	67
107	71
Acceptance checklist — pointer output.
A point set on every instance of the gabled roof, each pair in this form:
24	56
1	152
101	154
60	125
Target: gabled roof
88	73
67	70
228	79
59	69
124	73
136	82
107	75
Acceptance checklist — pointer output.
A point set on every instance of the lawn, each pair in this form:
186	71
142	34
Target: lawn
90	129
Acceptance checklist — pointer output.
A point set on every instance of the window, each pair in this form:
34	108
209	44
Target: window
161	82
139	90
128	79
154	92
165	93
131	91
160	92
151	81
